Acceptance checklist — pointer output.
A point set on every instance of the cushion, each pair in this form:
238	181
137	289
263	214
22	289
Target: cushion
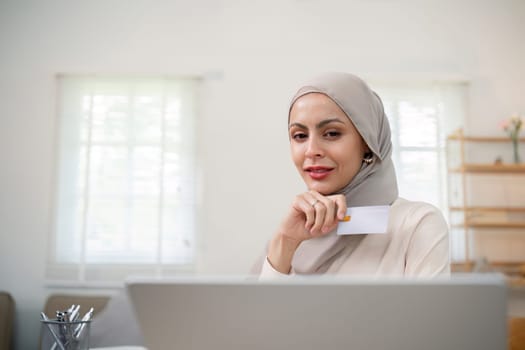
7	316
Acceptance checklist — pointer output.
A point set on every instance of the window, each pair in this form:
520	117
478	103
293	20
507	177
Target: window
125	192
421	116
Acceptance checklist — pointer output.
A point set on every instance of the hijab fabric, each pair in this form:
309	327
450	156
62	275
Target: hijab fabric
374	184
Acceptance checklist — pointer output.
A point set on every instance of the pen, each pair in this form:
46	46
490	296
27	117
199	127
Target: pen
73	312
87	317
57	340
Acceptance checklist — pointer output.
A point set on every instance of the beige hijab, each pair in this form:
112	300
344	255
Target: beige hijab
374	184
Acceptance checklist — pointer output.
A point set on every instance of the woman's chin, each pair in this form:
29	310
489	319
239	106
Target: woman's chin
324	189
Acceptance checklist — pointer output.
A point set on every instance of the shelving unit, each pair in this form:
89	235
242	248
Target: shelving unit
478	217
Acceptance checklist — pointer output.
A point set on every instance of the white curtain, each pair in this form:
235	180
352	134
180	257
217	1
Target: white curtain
125	189
421	116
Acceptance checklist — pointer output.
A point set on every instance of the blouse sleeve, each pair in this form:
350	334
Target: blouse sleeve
269	273
428	252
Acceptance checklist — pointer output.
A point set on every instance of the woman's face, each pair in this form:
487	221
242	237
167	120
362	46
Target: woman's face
326	147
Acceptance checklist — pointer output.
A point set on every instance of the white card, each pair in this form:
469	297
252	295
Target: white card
371	219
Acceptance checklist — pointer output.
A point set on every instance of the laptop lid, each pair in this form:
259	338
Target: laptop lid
463	312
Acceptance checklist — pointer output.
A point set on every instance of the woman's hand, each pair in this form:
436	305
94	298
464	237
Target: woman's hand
311	215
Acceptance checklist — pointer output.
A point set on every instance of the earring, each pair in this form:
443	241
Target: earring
368	158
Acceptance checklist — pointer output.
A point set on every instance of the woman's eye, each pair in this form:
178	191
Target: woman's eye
299	136
332	134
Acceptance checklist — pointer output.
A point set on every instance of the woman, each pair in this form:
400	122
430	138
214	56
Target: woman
340	144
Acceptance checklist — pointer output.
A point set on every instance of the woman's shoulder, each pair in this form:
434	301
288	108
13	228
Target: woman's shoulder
405	206
407	213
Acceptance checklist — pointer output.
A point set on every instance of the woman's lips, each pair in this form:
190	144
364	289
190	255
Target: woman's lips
318	173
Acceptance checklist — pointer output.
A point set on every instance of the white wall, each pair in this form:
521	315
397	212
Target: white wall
260	50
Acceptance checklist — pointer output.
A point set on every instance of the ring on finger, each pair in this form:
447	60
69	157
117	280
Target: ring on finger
315	202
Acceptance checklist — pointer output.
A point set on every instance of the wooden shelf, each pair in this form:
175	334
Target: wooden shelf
516	282
505	168
473	217
487	225
479	209
511	268
490	217
495	224
458	136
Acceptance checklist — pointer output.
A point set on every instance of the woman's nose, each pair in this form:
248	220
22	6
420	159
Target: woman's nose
313	148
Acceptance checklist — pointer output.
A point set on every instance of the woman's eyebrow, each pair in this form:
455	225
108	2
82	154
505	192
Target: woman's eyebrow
328	121
299	125
319	125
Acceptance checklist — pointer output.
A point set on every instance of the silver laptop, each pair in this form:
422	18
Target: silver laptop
235	313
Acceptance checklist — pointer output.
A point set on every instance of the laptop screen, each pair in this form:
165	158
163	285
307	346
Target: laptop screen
462	312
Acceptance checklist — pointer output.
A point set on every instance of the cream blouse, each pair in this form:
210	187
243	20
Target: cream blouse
416	245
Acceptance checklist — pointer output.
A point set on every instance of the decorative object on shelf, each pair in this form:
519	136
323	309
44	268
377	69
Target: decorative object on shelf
498	160
513	126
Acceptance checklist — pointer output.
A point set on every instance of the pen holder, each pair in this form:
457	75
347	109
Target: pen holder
60	335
